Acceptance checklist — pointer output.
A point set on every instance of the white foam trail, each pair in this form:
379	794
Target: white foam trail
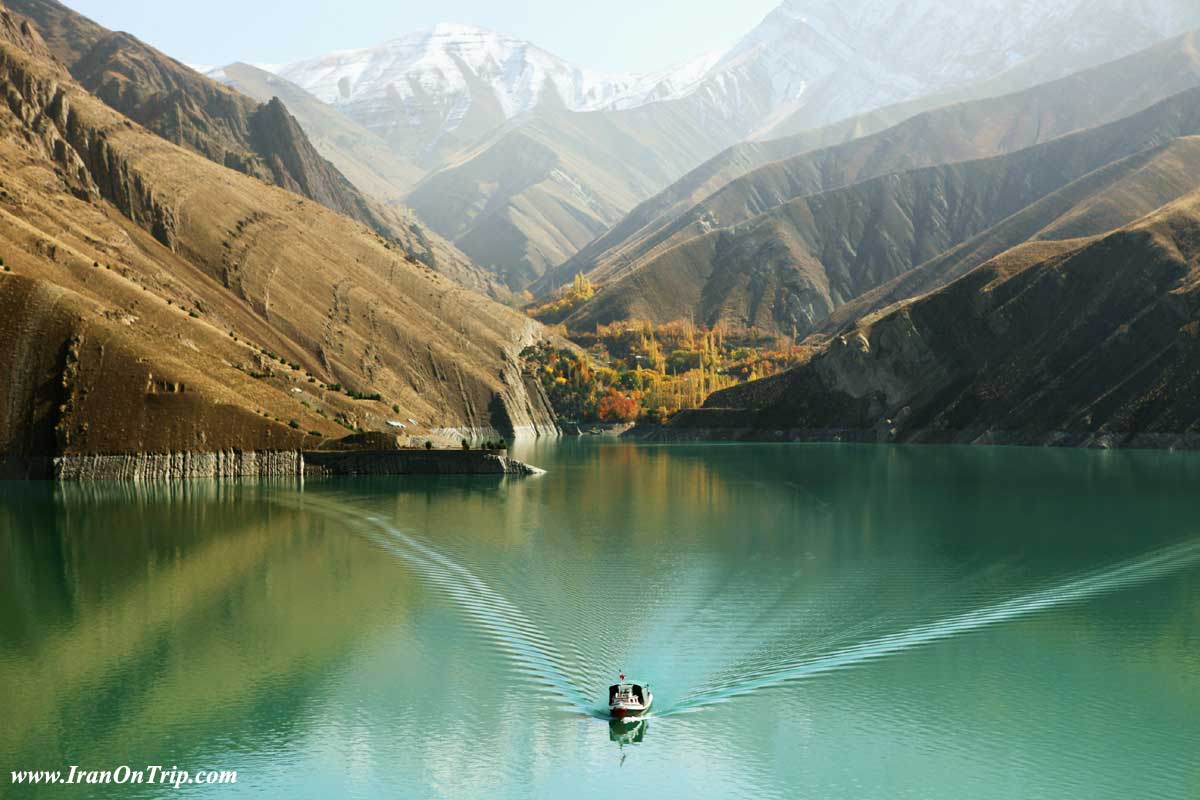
1141	570
509	629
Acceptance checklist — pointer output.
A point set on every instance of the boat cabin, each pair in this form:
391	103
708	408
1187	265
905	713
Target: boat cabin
626	694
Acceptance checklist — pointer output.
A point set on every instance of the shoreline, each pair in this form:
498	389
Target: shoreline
1079	440
261	464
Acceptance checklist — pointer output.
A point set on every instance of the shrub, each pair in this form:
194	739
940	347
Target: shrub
193	315
428	445
395	408
318	434
294	424
466	445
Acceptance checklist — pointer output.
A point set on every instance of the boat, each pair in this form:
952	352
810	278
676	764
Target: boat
628	699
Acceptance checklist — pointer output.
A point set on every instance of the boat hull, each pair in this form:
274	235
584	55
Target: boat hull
624	711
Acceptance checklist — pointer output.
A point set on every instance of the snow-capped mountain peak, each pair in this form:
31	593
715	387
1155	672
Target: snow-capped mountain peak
453	61
451	84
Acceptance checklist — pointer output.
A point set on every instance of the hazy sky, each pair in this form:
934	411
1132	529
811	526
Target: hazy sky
613	35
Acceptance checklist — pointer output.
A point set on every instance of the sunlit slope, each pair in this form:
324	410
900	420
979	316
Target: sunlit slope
157	301
256	134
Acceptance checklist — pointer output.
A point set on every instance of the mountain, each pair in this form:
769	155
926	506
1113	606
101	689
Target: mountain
158	92
262	139
788	269
444	97
433	93
1101	201
374	170
441	90
365	159
157	302
543	188
900	51
751	178
1095	344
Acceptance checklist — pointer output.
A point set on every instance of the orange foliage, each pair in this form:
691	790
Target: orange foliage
616	407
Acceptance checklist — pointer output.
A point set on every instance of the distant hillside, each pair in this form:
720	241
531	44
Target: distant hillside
788	269
1100	202
154	301
530	198
531	157
749	179
364	158
1095	344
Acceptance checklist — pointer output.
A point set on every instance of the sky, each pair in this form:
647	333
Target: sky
611	35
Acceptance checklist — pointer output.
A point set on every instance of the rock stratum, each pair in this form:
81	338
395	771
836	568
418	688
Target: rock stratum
258	137
153	301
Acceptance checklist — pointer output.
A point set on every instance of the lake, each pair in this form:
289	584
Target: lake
816	621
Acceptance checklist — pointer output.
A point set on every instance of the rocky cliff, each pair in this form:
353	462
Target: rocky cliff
156	302
262	140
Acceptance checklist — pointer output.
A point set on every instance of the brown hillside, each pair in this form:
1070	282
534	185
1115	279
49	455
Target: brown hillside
263	139
753	177
1098	344
790	268
151	298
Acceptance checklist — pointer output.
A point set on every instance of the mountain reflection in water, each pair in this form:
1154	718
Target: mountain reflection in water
827	621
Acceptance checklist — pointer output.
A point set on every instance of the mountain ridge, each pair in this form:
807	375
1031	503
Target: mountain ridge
157	302
991	126
1096	346
790	268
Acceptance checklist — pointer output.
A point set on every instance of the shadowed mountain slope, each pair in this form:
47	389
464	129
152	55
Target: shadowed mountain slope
788	269
1098	344
1100	202
753	177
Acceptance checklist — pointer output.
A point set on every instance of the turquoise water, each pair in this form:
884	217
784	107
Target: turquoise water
815	621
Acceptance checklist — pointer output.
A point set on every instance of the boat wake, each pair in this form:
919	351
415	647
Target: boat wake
542	662
1141	570
510	630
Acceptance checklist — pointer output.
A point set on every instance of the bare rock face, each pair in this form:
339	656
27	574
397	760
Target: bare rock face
154	303
1095	346
178	466
208	118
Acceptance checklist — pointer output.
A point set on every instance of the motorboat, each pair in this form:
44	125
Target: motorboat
629	699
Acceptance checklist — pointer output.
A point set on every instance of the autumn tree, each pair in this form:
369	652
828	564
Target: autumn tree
617	407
